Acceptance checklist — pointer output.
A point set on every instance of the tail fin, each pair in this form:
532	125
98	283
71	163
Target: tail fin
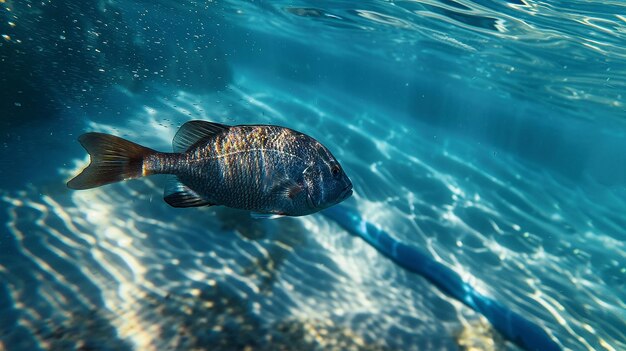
113	159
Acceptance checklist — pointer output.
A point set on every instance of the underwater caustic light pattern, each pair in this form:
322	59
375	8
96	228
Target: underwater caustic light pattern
115	268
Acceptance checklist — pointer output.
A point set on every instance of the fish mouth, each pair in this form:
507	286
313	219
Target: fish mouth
346	192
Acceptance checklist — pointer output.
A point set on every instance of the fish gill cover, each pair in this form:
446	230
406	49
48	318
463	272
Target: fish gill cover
488	134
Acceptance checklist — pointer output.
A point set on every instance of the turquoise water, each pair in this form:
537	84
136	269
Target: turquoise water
489	135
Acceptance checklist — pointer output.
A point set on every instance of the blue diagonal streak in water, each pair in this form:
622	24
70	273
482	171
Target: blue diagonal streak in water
511	325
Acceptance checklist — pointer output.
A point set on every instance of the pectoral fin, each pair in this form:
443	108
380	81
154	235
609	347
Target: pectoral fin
286	187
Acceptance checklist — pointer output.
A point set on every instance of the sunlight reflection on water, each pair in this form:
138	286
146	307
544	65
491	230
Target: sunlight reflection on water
554	53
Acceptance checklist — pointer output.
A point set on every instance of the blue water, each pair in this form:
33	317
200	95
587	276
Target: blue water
489	135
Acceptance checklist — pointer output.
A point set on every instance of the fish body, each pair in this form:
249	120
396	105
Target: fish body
267	169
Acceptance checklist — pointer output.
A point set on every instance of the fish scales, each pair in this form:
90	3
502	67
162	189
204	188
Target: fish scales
231	168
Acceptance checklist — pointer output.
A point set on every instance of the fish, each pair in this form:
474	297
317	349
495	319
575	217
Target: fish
269	170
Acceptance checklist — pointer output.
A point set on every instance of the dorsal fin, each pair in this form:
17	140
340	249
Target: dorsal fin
193	131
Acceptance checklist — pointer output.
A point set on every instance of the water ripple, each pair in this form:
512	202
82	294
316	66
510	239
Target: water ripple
118	267
555	52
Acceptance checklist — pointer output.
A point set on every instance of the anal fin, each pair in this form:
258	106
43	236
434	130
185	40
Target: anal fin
177	194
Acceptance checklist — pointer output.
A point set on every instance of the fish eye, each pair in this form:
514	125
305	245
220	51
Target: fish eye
335	170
